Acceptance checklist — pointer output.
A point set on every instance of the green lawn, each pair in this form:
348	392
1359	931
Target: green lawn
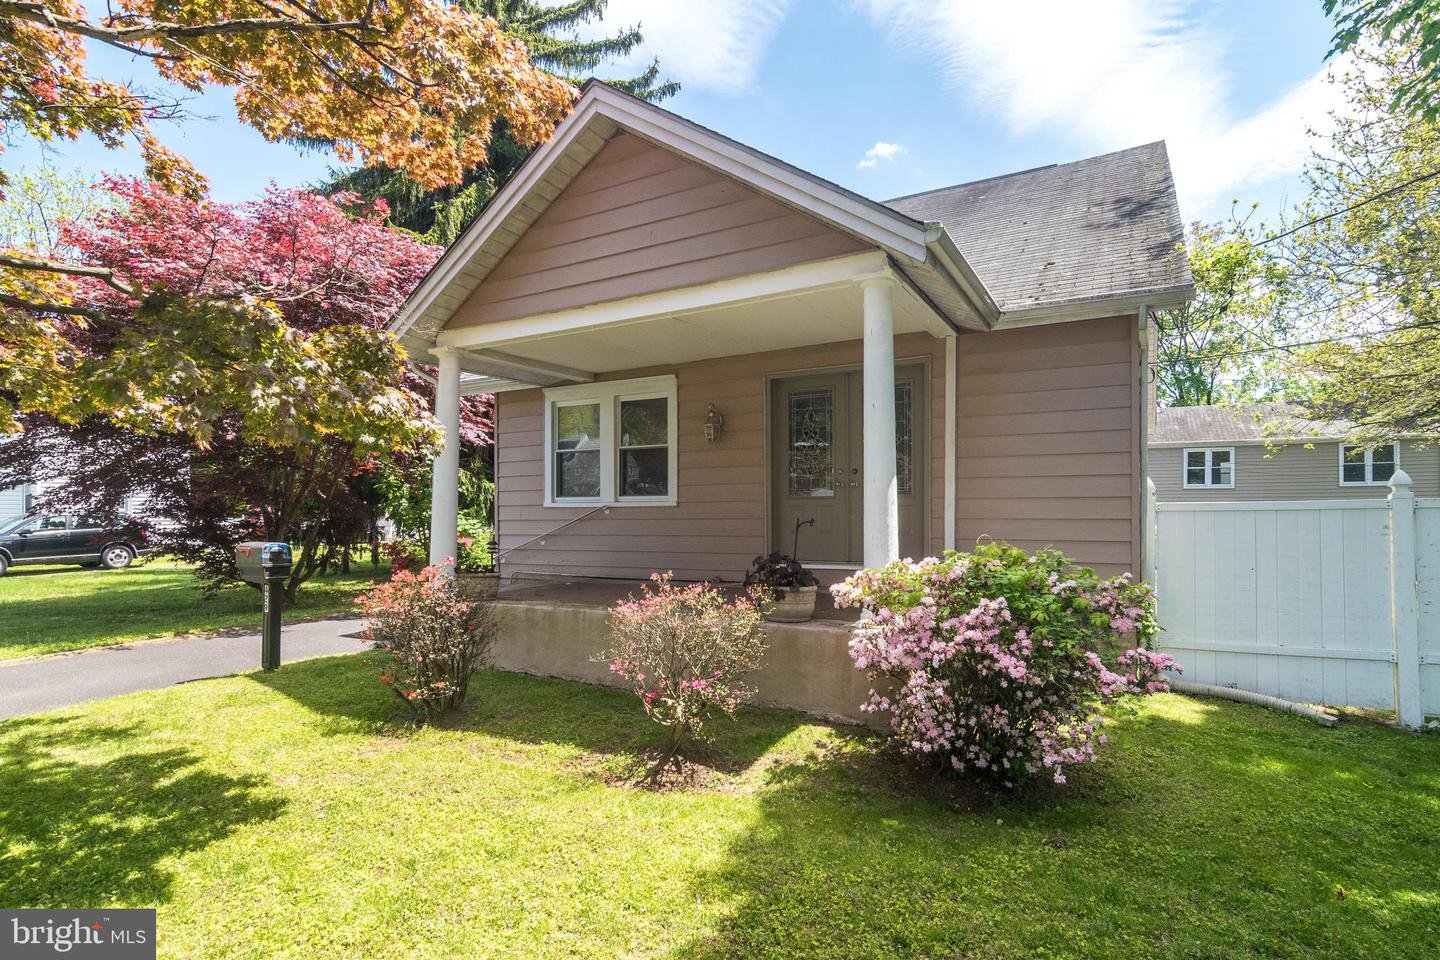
49	609
288	816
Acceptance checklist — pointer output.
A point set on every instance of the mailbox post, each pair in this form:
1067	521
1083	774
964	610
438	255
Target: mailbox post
267	565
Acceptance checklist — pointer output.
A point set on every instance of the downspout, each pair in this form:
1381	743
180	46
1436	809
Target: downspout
1251	697
952	387
1143	402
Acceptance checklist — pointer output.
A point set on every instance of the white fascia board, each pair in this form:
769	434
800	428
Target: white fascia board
524	365
753	287
494	385
1097	307
957	270
1248	442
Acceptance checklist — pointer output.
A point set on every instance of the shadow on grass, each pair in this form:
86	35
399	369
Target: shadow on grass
24	570
90	818
610	722
1229	832
538	711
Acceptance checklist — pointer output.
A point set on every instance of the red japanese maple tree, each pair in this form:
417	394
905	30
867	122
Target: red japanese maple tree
291	460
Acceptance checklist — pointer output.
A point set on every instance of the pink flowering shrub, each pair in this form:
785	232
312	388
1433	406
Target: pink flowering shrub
686	651
995	656
436	638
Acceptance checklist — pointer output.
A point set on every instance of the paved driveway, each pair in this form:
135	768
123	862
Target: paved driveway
31	686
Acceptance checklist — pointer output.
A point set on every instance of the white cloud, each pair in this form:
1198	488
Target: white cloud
881	151
711	45
1111	74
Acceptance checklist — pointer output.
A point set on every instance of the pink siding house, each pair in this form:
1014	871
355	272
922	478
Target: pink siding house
694	346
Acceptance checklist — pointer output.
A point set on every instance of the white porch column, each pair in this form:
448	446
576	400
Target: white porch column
882	506
445	469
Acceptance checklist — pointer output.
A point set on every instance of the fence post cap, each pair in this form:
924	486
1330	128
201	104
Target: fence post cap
1400	480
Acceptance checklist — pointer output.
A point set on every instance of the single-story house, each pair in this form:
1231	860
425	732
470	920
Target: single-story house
701	353
1271	451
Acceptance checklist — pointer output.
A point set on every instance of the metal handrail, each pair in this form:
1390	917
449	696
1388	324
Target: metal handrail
548	533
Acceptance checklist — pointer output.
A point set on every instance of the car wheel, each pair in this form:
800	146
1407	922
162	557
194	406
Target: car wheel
4	564
117	556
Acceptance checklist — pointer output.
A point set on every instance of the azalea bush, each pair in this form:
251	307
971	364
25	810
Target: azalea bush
994	658
436	638
686	650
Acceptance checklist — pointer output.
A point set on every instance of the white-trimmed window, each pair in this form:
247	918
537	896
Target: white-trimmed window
611	443
1360	466
1208	467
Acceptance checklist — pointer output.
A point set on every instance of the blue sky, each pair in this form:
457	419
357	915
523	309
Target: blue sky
896	96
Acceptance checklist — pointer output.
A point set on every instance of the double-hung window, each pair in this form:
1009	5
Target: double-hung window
1361	466
1209	467
611	443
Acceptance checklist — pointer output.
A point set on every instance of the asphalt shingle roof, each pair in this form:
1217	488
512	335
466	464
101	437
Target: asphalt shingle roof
1254	423
1103	227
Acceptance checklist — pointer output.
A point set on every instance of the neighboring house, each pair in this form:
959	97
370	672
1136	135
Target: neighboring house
16	501
1269	451
696	346
22	499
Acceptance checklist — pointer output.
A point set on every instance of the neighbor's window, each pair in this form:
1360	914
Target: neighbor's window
1210	467
611	443
1358	465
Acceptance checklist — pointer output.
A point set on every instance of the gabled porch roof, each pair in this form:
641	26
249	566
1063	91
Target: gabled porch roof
922	253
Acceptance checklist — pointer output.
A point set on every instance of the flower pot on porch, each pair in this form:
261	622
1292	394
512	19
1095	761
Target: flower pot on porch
478	586
789	605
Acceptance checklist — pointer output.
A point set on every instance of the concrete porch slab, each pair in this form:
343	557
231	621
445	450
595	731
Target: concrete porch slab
558	633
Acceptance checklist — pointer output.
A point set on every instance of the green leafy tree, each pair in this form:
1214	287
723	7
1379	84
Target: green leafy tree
1364	256
39	201
1211	351
439	215
1411	24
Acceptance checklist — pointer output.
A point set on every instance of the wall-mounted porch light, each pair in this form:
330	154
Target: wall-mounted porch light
713	424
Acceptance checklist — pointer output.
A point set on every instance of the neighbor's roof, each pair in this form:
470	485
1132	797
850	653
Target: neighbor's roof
1247	423
1093	229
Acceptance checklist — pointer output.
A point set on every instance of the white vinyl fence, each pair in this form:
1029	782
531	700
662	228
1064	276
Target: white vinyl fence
1334	601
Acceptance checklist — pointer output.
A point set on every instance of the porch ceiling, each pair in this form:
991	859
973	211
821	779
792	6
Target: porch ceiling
813	317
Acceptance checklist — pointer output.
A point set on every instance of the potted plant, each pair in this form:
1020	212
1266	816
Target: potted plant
476	574
788	594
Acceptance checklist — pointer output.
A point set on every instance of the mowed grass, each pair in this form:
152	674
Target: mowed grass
290	815
47	609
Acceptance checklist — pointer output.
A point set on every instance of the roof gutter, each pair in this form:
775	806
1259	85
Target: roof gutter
941	246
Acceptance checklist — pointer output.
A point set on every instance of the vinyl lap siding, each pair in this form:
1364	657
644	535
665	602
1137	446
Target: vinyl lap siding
12	502
719	522
639	219
1048	440
1047	455
1291	472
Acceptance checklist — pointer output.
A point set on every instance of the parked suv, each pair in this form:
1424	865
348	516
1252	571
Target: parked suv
64	538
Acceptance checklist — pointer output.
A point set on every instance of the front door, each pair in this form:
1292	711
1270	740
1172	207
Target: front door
817	464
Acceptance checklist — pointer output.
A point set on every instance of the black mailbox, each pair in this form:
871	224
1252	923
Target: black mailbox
258	561
268	566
